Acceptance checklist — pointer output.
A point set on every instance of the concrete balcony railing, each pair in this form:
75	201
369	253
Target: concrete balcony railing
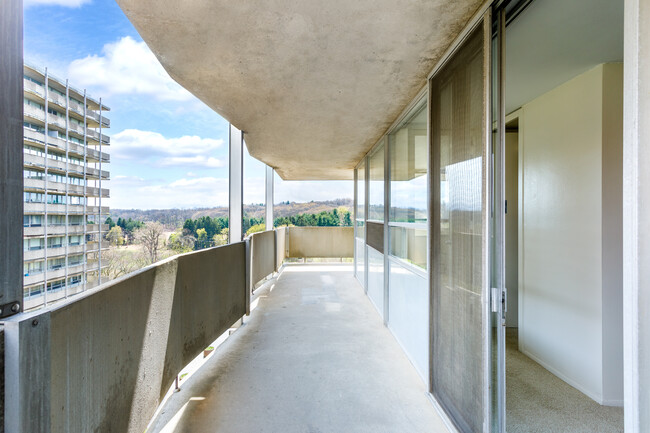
94	246
33	88
34	112
52	252
95	136
53	230
57	99
139	331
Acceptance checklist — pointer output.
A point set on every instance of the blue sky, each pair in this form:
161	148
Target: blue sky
168	149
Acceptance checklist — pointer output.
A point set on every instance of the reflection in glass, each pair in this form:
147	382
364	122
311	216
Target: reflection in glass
376	185
408	189
458	145
361	199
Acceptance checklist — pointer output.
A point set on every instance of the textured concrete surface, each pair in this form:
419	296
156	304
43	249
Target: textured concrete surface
262	250
313	84
106	357
314	356
320	242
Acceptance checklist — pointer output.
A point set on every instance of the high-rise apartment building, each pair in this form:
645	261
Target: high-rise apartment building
64	164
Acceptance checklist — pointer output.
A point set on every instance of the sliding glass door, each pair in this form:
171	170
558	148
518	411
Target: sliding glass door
460	193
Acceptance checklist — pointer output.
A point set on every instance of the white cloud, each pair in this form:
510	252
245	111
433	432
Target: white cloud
64	3
129	192
192	161
132	192
125	67
148	147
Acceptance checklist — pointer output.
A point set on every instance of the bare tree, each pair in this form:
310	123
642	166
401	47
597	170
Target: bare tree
149	237
122	261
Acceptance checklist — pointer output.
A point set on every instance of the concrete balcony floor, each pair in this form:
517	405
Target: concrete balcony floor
314	356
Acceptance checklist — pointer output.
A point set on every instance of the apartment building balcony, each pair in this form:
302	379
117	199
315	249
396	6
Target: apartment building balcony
61	272
34	89
94	173
313	350
92	191
94	245
34	278
94	135
94	228
33	113
37	161
316	354
96	210
56	99
94	116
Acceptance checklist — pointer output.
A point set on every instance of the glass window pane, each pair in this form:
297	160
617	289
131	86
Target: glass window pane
408	170
376	185
361	199
408	153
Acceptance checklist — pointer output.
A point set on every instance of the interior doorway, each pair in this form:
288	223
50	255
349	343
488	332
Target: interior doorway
563	216
537	399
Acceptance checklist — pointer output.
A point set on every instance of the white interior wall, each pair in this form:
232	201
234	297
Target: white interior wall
563	296
512	228
612	232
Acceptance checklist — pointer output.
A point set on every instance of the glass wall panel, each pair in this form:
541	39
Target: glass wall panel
361	200
458	241
376	279
408	305
360	241
376	185
408	189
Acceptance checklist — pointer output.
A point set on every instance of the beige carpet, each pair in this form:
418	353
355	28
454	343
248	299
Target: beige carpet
538	401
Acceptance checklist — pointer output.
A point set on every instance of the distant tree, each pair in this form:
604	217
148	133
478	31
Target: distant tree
255	229
181	241
201	239
149	236
115	236
347	219
110	222
121	262
221	238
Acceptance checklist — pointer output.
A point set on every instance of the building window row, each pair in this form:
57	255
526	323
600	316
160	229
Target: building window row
52	220
37	290
53	133
53	177
51	89
52	111
37	267
38	197
32	244
32	150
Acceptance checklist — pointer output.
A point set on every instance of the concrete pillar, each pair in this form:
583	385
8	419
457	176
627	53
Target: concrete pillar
236	186
269	198
636	215
11	156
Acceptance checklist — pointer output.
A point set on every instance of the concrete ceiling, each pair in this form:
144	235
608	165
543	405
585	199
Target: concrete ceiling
313	84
